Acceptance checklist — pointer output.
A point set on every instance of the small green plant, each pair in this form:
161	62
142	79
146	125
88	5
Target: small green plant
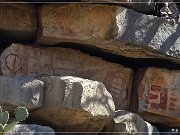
21	113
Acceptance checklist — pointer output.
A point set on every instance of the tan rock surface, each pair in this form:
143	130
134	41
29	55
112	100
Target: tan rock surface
112	29
19	60
158	95
76	22
68	120
18	20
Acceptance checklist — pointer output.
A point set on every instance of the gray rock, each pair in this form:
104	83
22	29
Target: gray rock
31	129
73	104
130	123
161	34
20	91
78	93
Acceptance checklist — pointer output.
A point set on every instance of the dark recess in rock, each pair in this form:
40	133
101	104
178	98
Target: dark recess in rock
133	63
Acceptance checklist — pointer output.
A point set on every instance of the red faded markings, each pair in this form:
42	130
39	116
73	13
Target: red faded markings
152	96
173	99
158	98
16	65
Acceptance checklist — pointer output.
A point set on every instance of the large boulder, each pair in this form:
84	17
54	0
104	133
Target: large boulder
20	91
31	129
74	104
130	123
19	60
156	93
158	33
74	92
109	28
18	22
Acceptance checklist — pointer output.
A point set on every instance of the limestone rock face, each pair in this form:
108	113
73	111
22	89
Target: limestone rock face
130	123
31	129
158	95
20	91
19	60
74	92
111	28
18	22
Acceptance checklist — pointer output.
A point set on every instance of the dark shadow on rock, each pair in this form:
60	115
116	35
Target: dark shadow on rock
130	26
152	29
170	40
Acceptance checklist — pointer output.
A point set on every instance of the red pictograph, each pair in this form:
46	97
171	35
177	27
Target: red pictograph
16	64
160	93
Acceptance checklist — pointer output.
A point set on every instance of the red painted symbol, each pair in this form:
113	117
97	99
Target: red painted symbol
13	63
162	94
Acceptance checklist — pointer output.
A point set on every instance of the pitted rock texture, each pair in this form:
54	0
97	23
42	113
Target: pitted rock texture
78	93
158	33
158	95
113	29
68	119
20	91
31	129
18	22
82	22
19	60
129	123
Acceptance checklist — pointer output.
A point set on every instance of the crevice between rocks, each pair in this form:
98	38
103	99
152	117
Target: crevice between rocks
134	63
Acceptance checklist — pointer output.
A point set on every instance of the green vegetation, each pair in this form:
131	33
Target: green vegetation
21	113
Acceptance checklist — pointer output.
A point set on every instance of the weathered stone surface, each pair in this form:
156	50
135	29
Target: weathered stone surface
74	104
57	23
18	22
78	93
31	129
19	60
20	91
158	92
68	120
130	123
110	28
158	33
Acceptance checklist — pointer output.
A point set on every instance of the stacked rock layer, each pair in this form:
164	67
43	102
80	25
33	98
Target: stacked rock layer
90	68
